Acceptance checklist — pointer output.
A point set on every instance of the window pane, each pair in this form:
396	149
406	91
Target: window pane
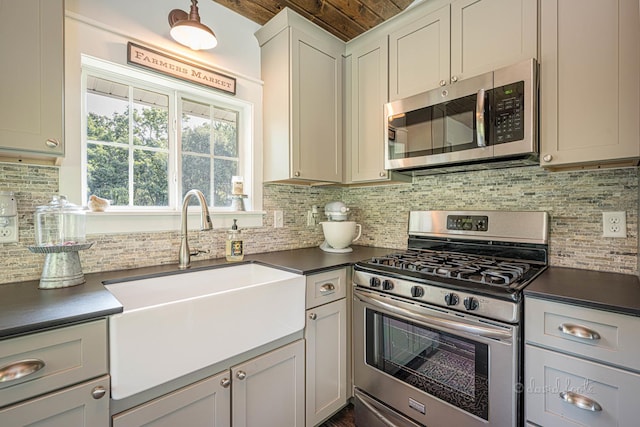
108	173
150	182
225	133
223	170
150	119
196	173
196	127
107	111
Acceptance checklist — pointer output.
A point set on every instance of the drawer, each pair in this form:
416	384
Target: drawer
326	287
68	356
548	374
567	328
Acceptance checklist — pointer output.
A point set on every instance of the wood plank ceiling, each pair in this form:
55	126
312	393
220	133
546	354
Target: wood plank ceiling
345	19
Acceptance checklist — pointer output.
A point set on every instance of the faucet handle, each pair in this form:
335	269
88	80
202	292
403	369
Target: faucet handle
197	252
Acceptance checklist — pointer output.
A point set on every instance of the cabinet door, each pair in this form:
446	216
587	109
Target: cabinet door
326	360
368	96
205	403
608	396
269	390
84	405
31	78
589	93
490	34
316	108
419	55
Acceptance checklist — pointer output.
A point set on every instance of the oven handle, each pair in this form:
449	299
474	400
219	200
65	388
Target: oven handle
436	321
480	119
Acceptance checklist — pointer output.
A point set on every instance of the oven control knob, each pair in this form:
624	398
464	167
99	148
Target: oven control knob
470	303
387	285
417	291
374	282
451	299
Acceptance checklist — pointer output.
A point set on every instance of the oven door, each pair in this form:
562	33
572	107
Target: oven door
436	367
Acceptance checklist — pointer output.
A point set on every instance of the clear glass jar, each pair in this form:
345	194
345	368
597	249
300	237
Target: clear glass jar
60	223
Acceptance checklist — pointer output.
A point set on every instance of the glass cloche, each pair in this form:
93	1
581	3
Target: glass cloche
60	223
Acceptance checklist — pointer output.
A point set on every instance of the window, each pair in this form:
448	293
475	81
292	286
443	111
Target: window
147	144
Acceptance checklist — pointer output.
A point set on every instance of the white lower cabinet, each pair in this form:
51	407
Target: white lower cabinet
581	366
207	402
266	391
563	390
326	345
56	378
83	405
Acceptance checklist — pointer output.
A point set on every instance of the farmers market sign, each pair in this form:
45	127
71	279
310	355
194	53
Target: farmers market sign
179	68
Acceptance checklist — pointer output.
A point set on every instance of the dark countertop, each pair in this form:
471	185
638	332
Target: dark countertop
614	292
24	308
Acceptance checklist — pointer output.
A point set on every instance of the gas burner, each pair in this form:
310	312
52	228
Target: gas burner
472	268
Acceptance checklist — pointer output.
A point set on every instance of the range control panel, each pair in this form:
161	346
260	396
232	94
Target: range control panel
468	222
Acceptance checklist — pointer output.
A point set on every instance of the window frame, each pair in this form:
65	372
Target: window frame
142	219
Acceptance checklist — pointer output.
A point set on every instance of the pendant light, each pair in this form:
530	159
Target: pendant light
186	29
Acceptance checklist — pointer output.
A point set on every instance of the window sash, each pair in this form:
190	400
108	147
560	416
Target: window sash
173	150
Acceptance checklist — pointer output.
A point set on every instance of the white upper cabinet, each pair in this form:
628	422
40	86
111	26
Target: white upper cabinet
31	79
302	73
490	34
589	83
419	55
460	40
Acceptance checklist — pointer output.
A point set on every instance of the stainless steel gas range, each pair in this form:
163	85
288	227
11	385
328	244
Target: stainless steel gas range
437	328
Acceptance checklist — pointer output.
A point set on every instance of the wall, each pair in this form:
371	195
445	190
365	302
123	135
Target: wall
574	201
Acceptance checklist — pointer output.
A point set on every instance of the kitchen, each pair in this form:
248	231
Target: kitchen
574	199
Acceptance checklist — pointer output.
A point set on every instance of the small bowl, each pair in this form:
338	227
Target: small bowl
98	205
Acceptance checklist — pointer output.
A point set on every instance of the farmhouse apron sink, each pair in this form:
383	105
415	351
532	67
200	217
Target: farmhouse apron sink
176	324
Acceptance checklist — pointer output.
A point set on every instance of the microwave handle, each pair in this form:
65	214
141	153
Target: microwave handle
482	142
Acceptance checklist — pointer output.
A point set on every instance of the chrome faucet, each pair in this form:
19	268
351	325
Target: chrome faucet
205	224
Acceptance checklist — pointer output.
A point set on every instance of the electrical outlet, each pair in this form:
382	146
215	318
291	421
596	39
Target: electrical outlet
9	231
278	219
614	224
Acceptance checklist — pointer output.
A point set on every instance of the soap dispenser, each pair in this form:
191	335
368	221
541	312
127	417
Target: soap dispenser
234	248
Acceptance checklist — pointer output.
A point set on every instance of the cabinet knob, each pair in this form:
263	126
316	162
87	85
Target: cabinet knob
98	392
383	174
225	382
547	157
296	174
443	82
454	79
313	316
241	375
52	143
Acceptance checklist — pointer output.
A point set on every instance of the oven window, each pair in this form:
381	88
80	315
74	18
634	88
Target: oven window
451	368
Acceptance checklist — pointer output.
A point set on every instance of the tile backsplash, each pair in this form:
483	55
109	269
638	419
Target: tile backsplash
575	202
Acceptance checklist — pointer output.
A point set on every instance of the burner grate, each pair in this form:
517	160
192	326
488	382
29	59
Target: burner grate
477	269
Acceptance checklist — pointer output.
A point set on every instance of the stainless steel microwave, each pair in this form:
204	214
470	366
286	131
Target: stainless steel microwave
485	121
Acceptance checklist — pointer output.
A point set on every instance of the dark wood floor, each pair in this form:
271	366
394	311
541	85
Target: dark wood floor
344	418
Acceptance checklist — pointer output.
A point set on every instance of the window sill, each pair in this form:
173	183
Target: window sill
114	222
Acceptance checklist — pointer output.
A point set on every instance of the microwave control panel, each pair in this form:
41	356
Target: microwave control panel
508	112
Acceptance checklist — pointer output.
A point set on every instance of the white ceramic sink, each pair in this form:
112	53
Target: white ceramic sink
176	324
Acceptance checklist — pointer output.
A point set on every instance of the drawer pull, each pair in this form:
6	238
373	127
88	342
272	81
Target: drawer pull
580	401
327	287
579	331
17	370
